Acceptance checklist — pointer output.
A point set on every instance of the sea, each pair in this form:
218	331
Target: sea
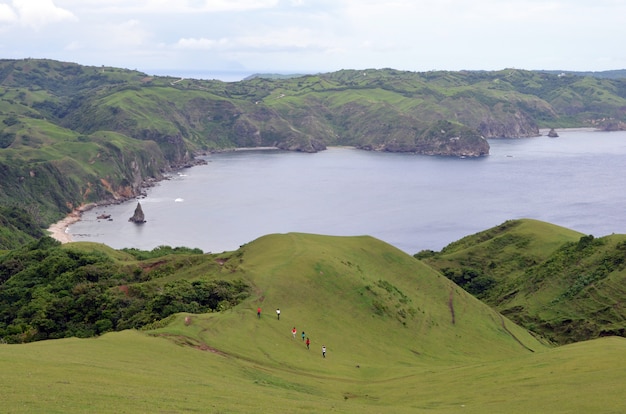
413	202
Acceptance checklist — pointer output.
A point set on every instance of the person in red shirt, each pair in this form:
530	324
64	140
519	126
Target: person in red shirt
294	331
308	343
258	312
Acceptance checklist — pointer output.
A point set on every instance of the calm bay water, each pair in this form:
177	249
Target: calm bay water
412	202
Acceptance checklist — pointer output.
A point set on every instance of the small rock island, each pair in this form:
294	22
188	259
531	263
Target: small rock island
138	217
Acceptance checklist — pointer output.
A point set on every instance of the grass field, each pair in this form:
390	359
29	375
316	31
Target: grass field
132	372
401	338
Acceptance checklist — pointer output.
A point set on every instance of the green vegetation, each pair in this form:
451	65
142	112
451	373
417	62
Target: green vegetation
402	335
71	135
560	284
51	291
17	227
449	352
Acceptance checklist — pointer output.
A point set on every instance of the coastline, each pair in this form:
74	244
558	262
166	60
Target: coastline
59	230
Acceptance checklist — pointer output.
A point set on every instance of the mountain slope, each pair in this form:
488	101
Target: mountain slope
61	122
559	283
345	291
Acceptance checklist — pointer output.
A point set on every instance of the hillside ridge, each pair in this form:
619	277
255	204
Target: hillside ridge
72	135
561	284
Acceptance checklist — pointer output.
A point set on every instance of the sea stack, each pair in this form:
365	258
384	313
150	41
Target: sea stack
553	134
138	217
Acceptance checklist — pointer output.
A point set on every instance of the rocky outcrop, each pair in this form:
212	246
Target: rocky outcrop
553	134
451	139
516	125
138	217
443	138
613	125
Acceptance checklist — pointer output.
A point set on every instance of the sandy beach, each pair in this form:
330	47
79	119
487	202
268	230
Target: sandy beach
59	229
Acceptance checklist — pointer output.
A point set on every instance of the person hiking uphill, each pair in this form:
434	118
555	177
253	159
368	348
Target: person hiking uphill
303	335
278	313
258	312
294	331
308	343
324	351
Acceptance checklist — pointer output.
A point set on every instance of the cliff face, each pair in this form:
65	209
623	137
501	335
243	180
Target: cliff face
517	125
106	167
447	138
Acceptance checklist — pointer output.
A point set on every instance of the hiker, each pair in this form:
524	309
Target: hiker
303	335
308	342
278	313
294	331
258	312
324	351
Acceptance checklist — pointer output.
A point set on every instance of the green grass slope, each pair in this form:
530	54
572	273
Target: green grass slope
559	283
400	338
135	373
341	291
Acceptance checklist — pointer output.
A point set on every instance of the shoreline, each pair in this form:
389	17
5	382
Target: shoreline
59	230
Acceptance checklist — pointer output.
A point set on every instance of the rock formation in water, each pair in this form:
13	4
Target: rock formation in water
138	217
553	134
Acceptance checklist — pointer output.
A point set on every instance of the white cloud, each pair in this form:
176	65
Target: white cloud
285	39
167	6
34	13
320	34
7	14
201	43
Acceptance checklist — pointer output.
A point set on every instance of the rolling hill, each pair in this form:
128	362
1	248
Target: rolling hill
400	338
561	284
176	330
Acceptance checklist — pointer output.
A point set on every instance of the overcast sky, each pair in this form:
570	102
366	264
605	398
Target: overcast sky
310	36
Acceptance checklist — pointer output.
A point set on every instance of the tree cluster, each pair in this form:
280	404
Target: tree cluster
48	291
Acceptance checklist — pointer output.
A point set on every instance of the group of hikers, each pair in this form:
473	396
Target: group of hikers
294	332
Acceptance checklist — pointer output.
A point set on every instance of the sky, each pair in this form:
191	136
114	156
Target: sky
209	38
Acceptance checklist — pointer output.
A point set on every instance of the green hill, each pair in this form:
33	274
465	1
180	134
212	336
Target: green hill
341	289
71	135
400	338
559	283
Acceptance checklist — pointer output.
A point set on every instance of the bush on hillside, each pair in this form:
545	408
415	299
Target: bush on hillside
48	291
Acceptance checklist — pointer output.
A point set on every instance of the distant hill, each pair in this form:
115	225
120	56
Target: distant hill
561	284
72	135
605	74
273	76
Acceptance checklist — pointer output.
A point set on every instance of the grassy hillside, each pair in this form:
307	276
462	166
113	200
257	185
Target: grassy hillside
17	227
72	135
394	345
340	290
134	372
561	284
